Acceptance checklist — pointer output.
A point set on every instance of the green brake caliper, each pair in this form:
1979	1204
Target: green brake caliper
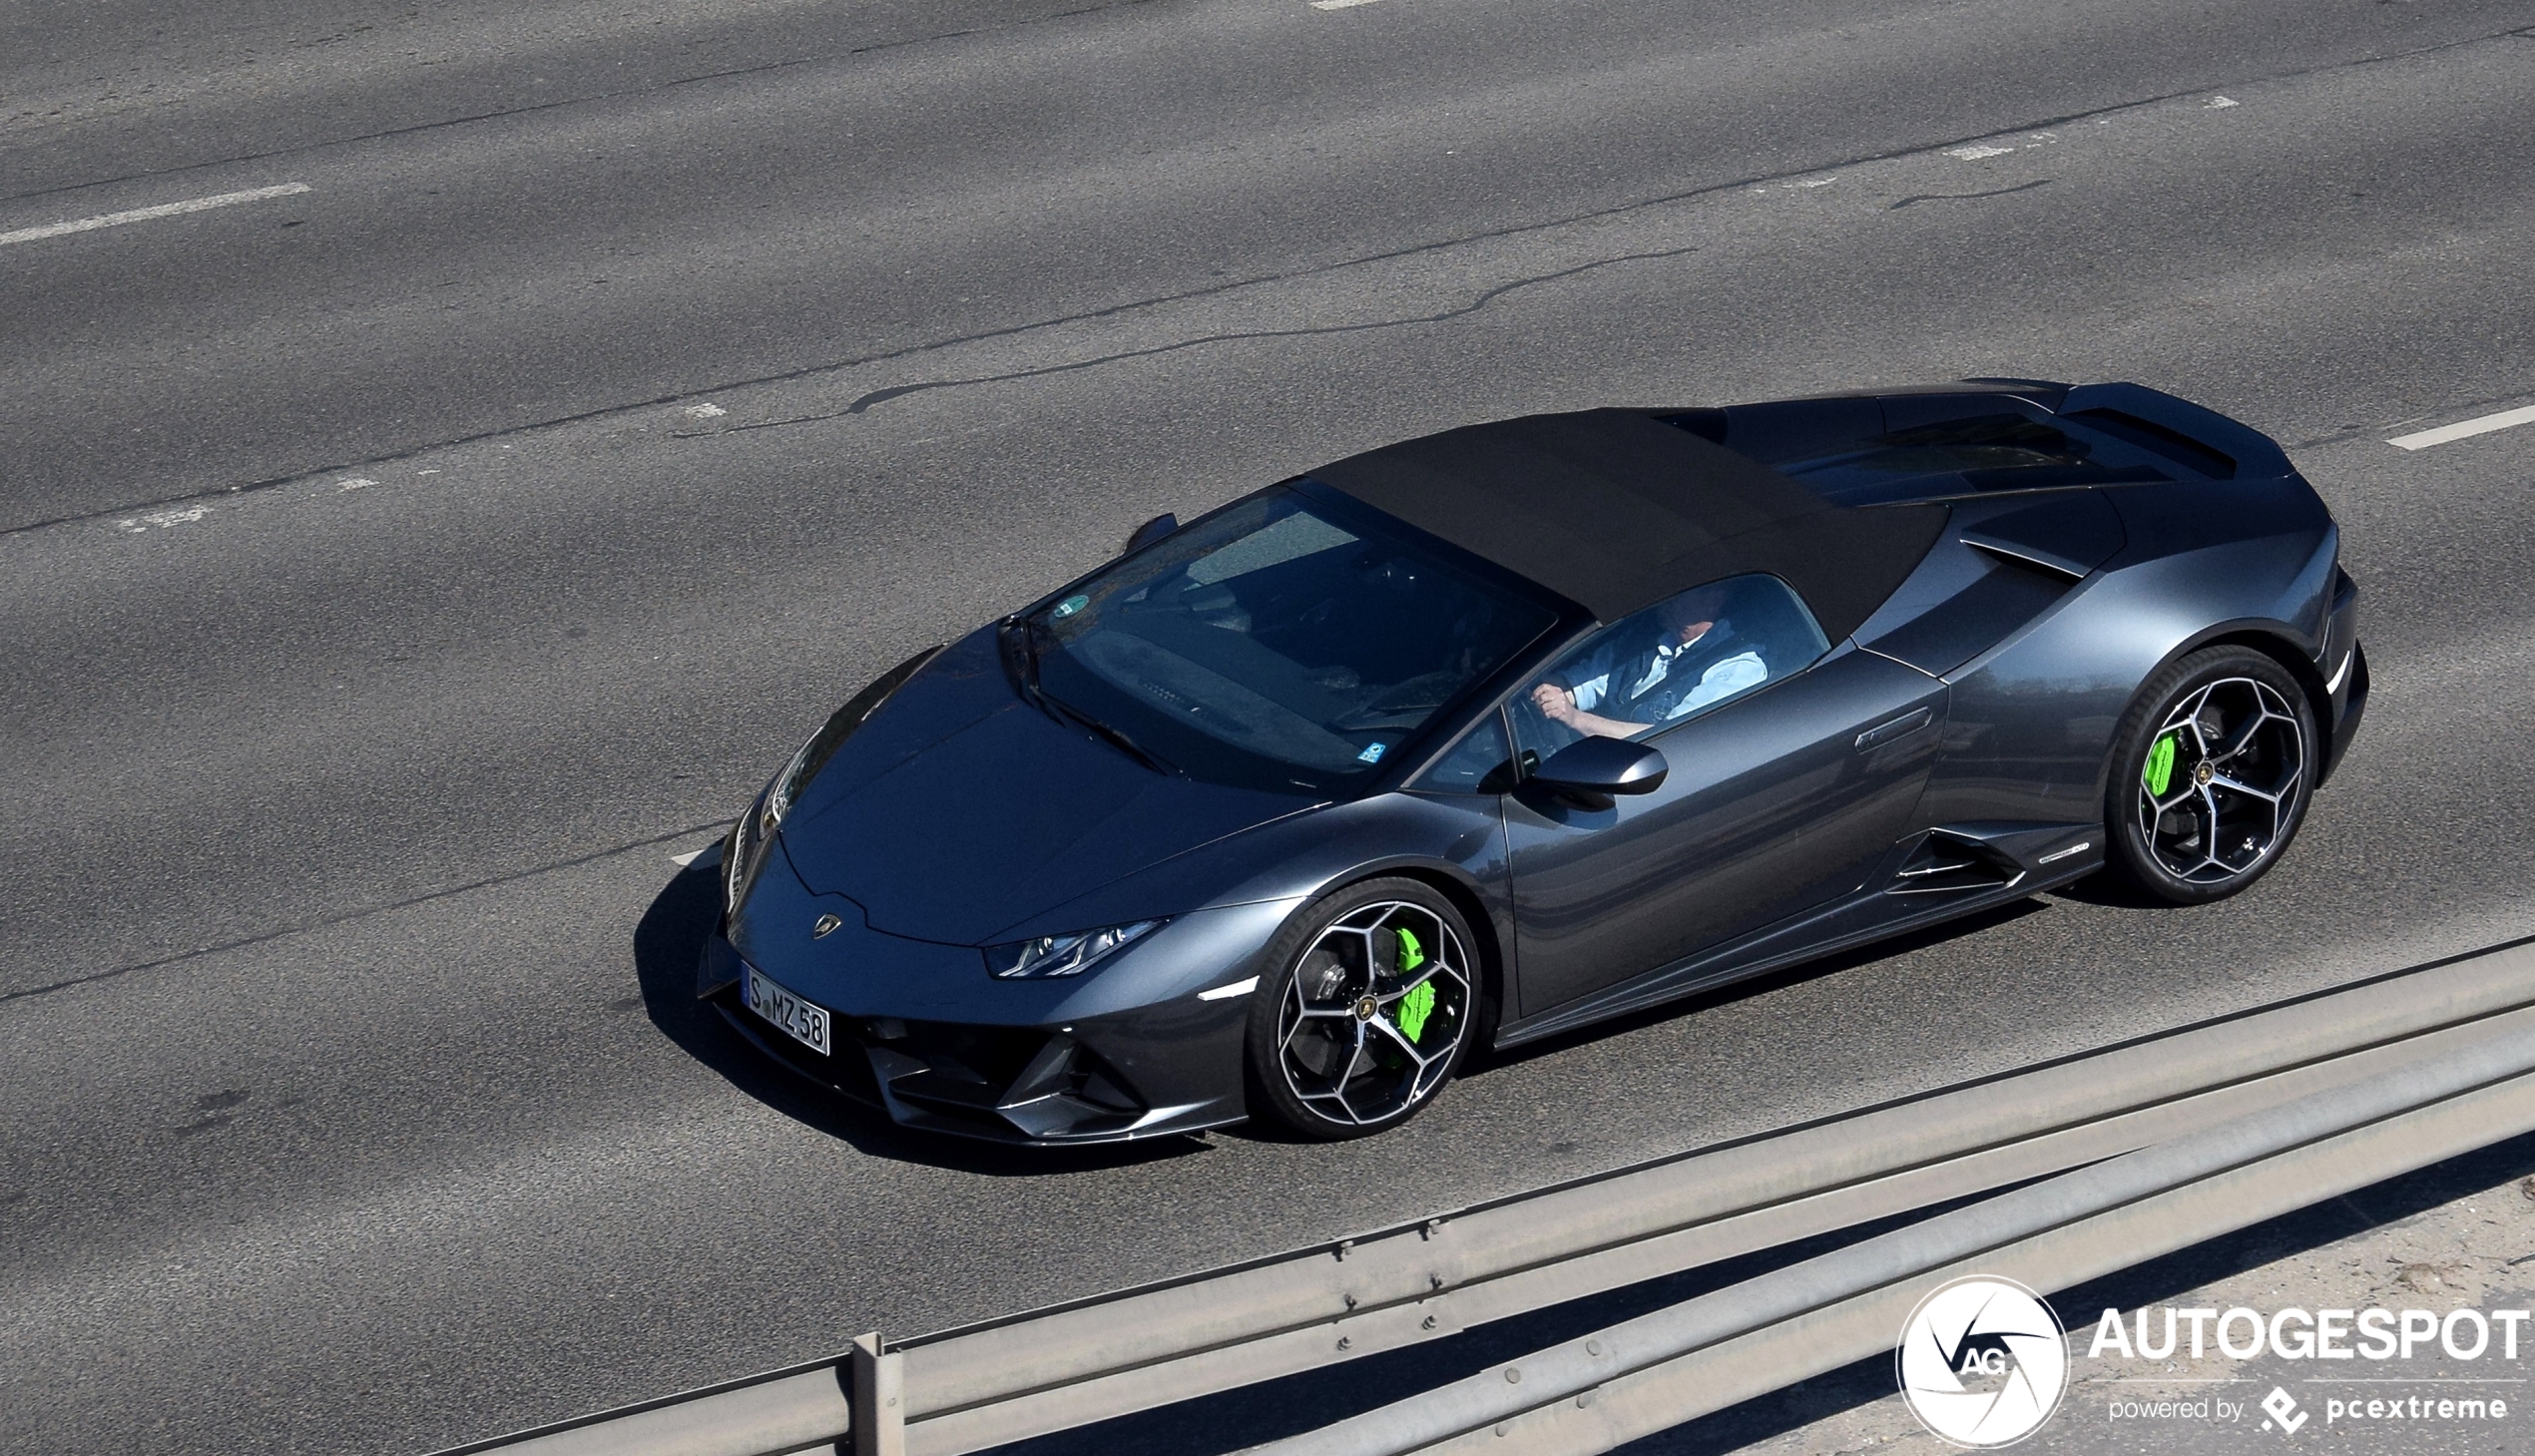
2160	766
1419	1003
1414	1008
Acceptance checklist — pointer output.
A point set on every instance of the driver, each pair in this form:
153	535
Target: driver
1686	659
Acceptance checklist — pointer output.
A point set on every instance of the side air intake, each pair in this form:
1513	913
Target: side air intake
1943	865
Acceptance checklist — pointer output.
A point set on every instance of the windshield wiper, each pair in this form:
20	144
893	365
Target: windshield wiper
1110	735
1021	655
1023	633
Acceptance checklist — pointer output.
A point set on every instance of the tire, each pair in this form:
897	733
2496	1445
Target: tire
2211	772
1374	1001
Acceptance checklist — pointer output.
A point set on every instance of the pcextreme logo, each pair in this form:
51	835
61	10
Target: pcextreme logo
1982	1362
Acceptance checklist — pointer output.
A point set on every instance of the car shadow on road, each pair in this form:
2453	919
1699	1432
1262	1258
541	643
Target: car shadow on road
1483	1062
667	942
2111	890
671	936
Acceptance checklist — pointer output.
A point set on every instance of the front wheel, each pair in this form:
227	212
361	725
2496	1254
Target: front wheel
1369	1009
2210	777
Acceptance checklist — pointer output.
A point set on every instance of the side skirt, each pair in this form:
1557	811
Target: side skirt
1817	934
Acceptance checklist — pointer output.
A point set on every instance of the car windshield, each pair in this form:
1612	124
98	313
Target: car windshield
1278	643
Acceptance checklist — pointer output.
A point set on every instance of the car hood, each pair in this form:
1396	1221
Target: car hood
1005	814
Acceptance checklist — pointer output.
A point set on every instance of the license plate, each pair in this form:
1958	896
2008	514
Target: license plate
802	1022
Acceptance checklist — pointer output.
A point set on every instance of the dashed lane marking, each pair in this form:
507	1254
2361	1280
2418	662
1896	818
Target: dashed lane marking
1338	4
143	215
2465	428
135	525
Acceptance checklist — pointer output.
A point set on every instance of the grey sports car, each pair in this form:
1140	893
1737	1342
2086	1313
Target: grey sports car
1490	734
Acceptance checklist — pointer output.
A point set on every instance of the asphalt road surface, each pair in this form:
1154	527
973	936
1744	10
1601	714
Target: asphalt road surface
398	570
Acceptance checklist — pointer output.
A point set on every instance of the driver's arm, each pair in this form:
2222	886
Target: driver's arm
1559	705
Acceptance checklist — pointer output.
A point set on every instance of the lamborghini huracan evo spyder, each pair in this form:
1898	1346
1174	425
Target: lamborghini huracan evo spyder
1482	736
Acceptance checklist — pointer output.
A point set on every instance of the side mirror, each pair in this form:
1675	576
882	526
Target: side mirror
1603	766
1151	531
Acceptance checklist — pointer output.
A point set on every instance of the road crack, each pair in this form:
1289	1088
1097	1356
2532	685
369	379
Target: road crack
505	113
329	921
690	394
1965	196
897	391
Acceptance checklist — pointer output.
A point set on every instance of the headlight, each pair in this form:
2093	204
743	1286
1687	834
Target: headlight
1061	955
755	830
746	854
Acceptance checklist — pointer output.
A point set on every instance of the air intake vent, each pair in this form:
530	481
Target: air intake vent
1945	865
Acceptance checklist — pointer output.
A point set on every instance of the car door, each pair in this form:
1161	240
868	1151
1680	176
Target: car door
1774	802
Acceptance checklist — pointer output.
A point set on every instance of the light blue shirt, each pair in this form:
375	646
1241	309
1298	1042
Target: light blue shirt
1724	678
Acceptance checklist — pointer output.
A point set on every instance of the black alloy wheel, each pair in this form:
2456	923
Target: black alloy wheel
2211	775
1368	1010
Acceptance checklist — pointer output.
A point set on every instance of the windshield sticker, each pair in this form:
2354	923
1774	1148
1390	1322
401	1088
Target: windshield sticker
1071	605
1288	538
1372	753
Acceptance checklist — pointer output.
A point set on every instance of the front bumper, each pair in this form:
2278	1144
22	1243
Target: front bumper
1163	1067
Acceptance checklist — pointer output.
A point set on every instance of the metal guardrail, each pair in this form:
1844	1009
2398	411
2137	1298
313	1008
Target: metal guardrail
2175	1139
1660	1369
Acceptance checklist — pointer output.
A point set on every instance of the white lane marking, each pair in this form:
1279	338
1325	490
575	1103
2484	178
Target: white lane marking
1976	153
162	519
2221	103
1338	4
705	411
690	857
1244	987
143	215
357	482
2461	429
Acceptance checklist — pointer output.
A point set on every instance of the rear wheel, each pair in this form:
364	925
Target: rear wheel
2211	775
1372	1006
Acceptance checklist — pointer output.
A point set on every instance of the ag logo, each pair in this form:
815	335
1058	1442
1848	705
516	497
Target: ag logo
1983	1363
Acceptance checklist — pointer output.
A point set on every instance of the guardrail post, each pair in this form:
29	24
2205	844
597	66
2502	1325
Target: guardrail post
878	1392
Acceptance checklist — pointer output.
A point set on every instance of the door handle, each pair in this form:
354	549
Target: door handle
1900	728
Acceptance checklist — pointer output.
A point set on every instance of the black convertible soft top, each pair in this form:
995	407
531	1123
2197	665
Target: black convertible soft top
1616	509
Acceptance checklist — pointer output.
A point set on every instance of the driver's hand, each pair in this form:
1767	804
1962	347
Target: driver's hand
1555	703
